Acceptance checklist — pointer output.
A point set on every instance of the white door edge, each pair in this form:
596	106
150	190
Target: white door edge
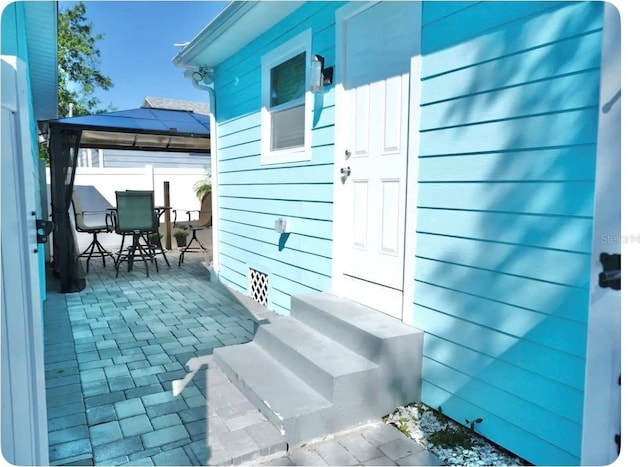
601	415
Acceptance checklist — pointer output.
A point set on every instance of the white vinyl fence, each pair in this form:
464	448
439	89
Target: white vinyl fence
103	183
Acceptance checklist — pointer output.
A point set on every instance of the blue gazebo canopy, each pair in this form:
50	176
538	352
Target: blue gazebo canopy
143	129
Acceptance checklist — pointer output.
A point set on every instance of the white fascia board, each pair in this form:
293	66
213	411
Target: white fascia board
234	28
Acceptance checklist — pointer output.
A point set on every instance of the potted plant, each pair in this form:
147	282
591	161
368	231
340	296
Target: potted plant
155	240
181	237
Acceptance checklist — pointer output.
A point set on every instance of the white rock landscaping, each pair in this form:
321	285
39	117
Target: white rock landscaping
453	443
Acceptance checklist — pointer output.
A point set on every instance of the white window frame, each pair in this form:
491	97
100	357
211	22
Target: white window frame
291	48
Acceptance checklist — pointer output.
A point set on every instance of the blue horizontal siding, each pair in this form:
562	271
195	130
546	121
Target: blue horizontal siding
575	91
515	380
280	208
547	328
573	126
495	427
562	367
543	231
561	267
232	139
553	24
543	297
506	166
253	196
269	263
236	160
301	225
249	148
271	249
540	422
543	164
523	66
310	173
294	242
275	191
573	198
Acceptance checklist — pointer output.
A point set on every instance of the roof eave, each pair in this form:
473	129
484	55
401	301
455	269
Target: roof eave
236	26
42	40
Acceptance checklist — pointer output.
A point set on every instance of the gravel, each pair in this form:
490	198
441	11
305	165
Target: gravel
420	422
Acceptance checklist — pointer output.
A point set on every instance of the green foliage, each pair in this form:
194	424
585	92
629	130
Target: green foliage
203	187
472	423
79	73
43	153
180	233
451	437
440	416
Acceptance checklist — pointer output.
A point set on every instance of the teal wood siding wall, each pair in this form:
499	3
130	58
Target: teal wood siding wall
14	42
14	37
508	126
252	196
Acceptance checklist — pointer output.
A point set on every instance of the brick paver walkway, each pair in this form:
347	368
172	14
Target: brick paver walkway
112	352
119	358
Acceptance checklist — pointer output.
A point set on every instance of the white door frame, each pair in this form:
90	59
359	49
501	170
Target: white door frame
602	410
340	213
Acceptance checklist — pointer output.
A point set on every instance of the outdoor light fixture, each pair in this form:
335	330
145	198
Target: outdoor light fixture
320	75
202	75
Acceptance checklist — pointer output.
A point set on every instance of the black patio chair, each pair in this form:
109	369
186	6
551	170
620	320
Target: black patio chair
135	216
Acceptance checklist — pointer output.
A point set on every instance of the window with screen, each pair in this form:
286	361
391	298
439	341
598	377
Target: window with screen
285	135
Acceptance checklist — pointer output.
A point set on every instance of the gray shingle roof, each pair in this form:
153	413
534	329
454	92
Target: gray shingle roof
176	104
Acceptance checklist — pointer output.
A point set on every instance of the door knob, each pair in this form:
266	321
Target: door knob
345	171
347	153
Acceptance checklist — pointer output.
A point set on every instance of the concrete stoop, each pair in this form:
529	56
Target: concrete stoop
331	365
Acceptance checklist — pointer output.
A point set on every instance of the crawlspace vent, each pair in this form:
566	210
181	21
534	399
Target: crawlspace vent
259	284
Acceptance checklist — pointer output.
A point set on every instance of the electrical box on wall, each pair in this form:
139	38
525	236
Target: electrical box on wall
282	225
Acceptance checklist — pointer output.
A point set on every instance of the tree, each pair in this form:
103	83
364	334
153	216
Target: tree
79	73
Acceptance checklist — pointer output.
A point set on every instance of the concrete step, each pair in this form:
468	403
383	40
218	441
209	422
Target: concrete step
330	368
362	329
396	347
292	406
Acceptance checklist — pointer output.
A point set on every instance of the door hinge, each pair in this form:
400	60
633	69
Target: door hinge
611	273
43	229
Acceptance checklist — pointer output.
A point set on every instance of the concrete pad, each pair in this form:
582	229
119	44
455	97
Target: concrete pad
420	458
400	448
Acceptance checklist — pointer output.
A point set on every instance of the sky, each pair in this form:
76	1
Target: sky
137	47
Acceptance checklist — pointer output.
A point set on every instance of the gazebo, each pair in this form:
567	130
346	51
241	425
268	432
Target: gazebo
143	129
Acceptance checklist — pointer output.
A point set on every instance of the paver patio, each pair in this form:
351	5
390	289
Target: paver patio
114	351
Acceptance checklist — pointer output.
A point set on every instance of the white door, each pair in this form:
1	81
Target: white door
377	42
24	411
601	421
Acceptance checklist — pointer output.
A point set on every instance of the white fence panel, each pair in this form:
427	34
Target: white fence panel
107	181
